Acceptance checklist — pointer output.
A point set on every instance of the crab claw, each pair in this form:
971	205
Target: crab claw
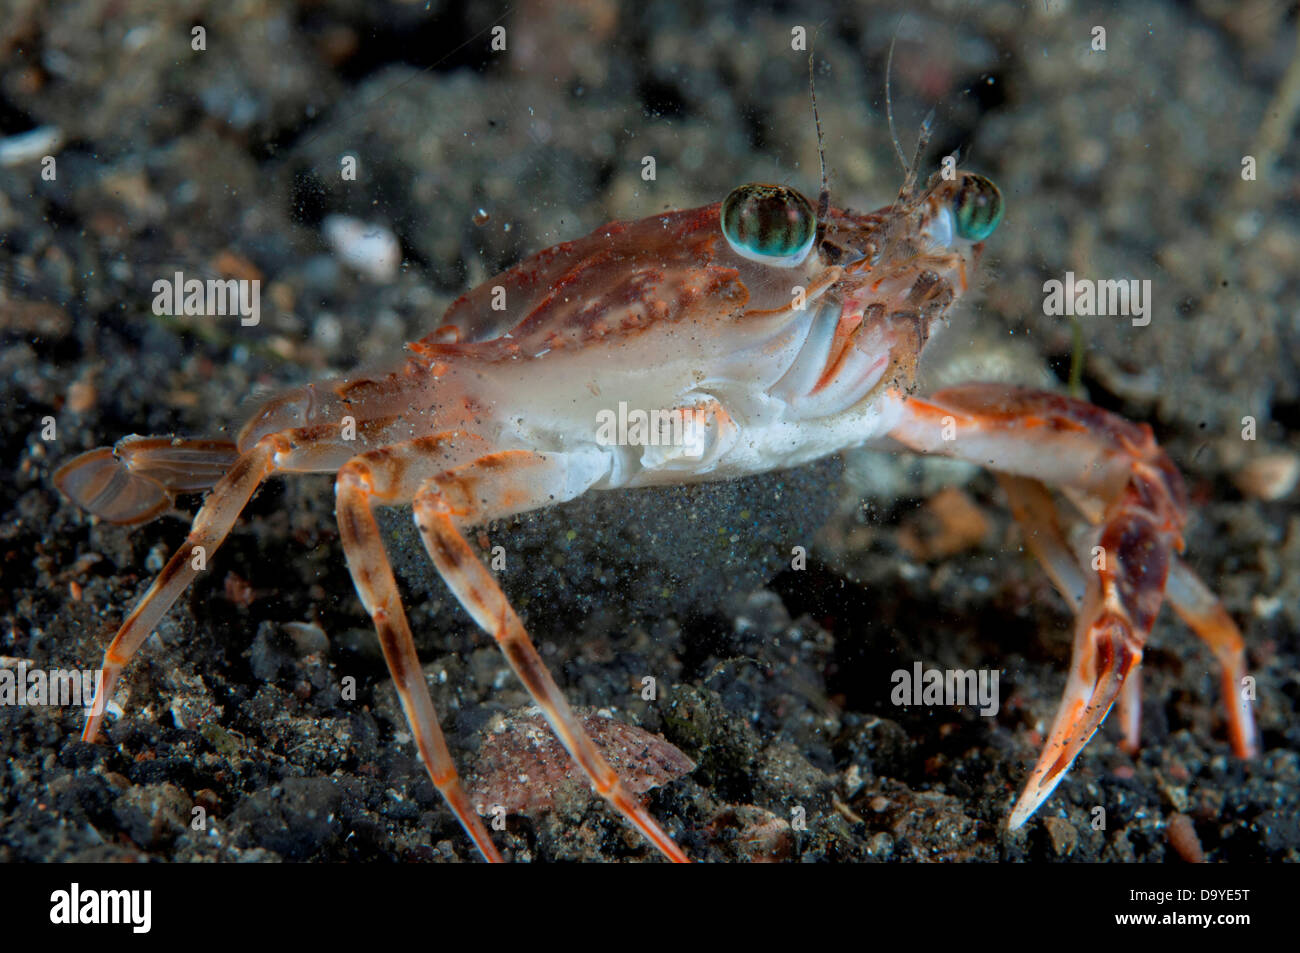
1135	502
1105	655
136	480
1137	544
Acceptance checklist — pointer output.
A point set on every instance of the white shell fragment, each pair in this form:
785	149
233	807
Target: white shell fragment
367	248
1271	476
31	146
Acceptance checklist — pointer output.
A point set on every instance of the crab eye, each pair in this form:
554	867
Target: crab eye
978	207
771	224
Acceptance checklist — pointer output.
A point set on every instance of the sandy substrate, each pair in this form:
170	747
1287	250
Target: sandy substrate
775	682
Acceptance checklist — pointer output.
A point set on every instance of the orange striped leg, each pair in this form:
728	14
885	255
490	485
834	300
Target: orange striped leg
1199	609
1032	505
1128	708
385	476
498	485
1056	439
1205	616
211	525
135	482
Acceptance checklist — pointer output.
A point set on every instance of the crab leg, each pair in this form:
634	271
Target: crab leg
211	525
1056	439
1031	504
498	485
1205	615
386	476
1199	609
134	482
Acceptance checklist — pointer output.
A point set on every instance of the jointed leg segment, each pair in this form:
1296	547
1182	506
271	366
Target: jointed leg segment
210	528
1136	496
377	475
497	485
1111	469
136	481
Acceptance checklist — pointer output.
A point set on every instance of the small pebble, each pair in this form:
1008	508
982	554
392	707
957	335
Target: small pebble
30	146
881	846
1269	477
81	397
1184	839
1064	837
369	249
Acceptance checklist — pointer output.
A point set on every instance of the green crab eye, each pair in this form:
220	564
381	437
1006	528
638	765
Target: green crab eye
771	224
978	207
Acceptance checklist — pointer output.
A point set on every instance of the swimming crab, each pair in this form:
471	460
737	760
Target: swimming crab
761	332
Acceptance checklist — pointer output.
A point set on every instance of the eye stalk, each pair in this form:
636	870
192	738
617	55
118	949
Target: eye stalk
771	224
977	206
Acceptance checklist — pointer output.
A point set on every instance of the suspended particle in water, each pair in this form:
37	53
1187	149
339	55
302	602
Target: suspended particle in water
481	217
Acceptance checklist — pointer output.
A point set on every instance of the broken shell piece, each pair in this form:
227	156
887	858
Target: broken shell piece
31	146
523	767
1269	477
370	249
755	834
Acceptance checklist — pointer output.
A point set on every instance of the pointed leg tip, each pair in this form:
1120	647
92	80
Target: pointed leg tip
1040	786
1242	733
676	855
1245	736
1022	812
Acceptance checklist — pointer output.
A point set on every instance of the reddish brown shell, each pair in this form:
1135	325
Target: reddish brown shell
616	281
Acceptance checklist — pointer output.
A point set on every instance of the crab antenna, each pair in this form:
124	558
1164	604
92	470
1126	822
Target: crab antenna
889	102
824	200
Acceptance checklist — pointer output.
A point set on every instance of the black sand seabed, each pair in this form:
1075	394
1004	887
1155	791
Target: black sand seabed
1119	164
